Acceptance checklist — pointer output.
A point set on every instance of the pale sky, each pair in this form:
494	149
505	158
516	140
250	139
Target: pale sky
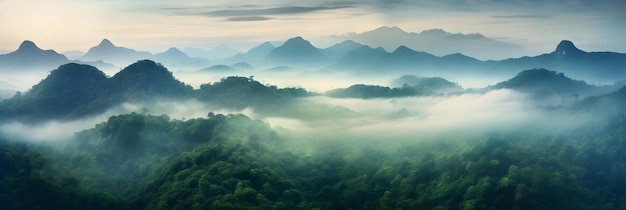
155	25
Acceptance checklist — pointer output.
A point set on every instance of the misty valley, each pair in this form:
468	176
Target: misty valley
293	126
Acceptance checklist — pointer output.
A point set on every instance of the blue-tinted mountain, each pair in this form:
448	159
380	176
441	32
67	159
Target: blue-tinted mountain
593	66
598	67
438	42
363	57
119	56
178	59
402	60
297	52
173	54
339	50
550	86
256	54
28	56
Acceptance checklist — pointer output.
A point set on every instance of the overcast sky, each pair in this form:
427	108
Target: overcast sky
155	25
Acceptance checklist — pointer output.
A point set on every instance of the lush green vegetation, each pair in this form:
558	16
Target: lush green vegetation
373	91
241	92
74	91
77	90
544	83
407	85
137	161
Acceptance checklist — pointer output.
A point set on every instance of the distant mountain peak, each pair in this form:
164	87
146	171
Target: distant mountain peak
566	47
28	45
297	42
266	44
403	49
296	39
173	50
296	51
106	43
434	31
390	28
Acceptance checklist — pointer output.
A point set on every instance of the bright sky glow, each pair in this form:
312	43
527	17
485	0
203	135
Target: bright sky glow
155	25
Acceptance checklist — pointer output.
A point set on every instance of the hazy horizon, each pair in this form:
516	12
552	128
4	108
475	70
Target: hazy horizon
156	26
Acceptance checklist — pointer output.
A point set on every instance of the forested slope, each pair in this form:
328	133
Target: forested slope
139	161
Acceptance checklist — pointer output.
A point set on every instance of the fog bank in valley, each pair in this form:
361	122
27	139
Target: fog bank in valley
421	117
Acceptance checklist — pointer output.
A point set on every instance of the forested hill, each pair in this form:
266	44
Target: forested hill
137	161
74	91
406	86
551	88
543	81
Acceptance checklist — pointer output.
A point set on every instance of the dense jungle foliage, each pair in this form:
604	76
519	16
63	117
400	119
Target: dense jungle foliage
74	91
137	161
142	161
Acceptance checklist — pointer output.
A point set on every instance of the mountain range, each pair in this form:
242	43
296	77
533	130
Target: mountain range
29	57
437	42
297	52
77	90
348	56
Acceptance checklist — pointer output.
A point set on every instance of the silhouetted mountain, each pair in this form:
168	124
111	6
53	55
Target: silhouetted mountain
363	57
602	67
365	60
256	54
404	56
178	59
28	56
110	53
77	90
428	84
542	80
339	50
297	52
550	86
460	59
438	42
593	66
172	54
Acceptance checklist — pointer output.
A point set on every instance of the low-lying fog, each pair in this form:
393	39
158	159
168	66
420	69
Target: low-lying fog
321	117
